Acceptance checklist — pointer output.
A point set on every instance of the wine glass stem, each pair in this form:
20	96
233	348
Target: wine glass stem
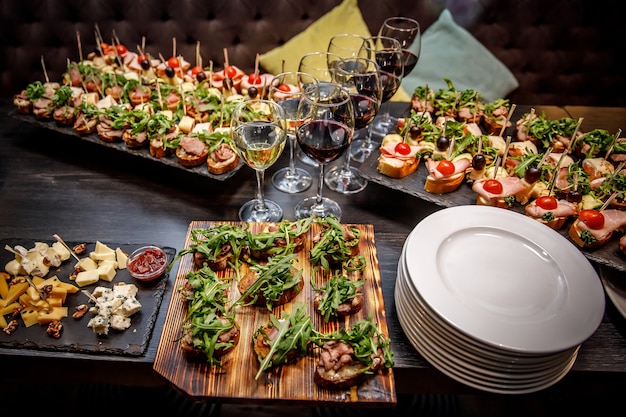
386	112
346	167
320	186
292	162
260	181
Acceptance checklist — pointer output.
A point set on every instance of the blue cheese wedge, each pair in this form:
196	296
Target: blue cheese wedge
113	307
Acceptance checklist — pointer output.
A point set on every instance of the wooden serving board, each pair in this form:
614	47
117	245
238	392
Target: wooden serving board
235	381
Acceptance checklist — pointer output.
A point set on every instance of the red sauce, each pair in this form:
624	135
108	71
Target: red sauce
148	262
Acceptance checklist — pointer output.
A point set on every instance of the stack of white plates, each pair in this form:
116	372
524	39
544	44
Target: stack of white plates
495	299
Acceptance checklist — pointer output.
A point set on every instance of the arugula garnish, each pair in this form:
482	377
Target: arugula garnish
338	290
364	338
292	338
333	248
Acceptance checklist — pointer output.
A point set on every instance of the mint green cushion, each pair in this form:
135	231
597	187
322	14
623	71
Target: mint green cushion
449	51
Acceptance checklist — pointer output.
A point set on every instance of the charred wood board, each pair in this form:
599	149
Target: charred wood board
293	383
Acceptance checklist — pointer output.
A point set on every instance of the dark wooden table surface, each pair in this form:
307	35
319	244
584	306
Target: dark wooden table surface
51	183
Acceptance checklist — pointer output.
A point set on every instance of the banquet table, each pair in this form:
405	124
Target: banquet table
51	183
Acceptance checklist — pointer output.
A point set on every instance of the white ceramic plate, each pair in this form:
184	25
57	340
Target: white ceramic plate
505	279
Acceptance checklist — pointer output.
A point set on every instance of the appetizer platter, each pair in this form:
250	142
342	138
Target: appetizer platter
79	327
166	110
279	345
453	149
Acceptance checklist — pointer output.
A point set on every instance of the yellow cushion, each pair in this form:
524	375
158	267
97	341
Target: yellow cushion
343	18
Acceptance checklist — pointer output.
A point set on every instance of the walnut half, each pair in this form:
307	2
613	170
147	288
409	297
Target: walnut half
54	329
81	310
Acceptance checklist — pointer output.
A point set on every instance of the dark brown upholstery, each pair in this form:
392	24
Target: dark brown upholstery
561	51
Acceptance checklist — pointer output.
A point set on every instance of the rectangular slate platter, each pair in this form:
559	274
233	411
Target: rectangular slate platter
76	336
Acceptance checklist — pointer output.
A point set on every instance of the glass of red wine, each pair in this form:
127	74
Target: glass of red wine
361	76
387	53
407	32
325	132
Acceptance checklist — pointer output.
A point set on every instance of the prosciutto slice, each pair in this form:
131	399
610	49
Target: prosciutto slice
460	165
510	186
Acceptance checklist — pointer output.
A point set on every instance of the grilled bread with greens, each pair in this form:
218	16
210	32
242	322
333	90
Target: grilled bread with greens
338	297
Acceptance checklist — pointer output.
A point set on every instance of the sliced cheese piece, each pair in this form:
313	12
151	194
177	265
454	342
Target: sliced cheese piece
9	308
122	258
29	316
61	250
56	313
86	264
4	285
87	277
107	270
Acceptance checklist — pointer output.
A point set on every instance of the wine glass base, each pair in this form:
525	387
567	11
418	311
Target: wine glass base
292	183
309	208
361	149
305	159
345	180
250	212
384	125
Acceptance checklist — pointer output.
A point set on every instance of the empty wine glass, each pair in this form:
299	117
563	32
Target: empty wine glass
361	76
286	90
316	64
325	132
258	129
407	32
387	52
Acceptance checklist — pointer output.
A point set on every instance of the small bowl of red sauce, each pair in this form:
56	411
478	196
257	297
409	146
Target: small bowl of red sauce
147	263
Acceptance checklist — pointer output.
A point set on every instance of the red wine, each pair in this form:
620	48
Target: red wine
409	60
323	140
365	109
390	83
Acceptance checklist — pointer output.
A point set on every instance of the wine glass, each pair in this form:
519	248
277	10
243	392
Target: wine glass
407	32
319	65
325	132
361	76
387	52
286	90
258	129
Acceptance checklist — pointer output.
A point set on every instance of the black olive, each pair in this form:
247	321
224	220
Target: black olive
532	175
252	92
443	143
170	72
228	83
415	132
145	64
479	161
201	76
574	196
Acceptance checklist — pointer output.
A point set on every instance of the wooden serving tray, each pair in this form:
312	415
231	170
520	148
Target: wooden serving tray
288	383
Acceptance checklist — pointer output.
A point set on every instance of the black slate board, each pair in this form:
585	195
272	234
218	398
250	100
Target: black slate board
76	336
121	146
413	184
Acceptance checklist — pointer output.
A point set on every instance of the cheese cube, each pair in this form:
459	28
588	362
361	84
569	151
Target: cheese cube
118	322
121	257
13	267
61	250
86	264
57	313
99	257
87	277
29	316
129	307
106	270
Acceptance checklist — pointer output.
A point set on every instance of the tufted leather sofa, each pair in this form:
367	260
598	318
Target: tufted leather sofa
561	51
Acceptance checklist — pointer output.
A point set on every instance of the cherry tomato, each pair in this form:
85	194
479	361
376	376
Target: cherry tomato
106	48
254	79
121	50
284	88
446	167
592	218
493	186
196	70
547	202
172	62
401	122
403	148
230	71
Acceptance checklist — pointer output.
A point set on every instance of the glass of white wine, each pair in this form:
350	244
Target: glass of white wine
259	132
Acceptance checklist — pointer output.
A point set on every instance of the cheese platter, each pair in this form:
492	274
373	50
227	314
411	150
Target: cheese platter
78	335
